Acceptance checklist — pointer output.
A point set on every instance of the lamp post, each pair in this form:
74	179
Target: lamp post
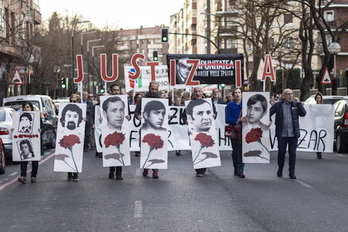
100	46
334	49
85	33
73	24
88	70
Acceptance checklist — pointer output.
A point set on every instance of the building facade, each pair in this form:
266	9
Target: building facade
17	49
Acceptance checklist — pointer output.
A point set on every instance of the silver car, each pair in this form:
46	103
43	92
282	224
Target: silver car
5	129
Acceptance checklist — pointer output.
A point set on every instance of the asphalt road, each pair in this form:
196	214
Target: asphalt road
178	200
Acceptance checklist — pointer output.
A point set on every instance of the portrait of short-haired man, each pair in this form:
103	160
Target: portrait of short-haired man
154	115
200	116
114	112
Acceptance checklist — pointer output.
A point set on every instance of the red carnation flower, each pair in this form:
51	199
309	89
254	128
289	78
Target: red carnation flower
114	139
254	135
69	141
205	140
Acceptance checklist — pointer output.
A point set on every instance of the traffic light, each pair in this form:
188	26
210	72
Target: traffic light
222	85
102	90
155	56
62	82
164	35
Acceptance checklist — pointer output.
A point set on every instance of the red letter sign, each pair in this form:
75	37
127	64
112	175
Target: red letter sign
79	66
103	68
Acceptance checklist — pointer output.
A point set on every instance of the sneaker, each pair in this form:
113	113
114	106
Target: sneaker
137	154
145	172
178	153
33	179
22	179
199	174
75	179
155	174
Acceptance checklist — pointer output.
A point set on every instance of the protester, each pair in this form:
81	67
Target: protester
89	123
28	106
229	98
319	100
216	97
177	102
136	100
287	129
115	90
71	124
152	93
202	123
234	117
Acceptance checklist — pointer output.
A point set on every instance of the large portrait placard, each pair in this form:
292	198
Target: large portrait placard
115	133
202	133
255	131
70	136
26	136
154	133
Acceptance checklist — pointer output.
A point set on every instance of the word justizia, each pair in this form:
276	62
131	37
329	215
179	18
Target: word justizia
152	65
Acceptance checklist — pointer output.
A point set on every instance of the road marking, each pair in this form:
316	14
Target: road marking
304	184
13	174
15	179
341	155
138	209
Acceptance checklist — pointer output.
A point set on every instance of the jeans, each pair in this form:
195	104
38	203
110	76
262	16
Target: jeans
237	155
282	144
35	167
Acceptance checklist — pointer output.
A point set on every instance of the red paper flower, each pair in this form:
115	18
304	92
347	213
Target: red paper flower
254	135
205	140
68	141
153	140
114	139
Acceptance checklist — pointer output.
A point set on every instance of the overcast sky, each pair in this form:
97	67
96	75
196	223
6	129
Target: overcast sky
126	14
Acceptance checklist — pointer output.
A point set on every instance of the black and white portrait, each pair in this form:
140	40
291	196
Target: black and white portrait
200	116
71	119
26	122
183	69
154	115
26	149
114	110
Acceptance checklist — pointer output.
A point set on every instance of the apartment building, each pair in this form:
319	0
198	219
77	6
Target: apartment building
17	51
144	41
227	26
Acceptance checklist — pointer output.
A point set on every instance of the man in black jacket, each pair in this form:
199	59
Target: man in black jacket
287	129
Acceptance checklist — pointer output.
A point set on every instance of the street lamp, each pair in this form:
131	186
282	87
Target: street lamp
334	49
100	46
73	24
85	33
88	70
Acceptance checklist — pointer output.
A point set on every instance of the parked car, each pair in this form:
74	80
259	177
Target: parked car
2	158
5	129
328	99
341	125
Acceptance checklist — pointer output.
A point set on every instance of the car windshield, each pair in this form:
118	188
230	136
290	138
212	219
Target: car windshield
2	115
330	101
16	103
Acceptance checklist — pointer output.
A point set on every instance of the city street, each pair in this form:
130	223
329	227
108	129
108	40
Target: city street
178	200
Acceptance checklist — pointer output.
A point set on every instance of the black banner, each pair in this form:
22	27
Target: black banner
212	69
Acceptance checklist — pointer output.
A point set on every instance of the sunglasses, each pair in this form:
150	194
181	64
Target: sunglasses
74	101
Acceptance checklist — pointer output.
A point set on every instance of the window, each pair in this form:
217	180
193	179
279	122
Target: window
329	16
288	19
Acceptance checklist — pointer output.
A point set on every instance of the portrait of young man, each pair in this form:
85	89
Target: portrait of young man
25	123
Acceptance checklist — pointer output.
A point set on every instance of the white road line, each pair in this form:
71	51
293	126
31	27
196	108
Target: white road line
138	209
304	184
13	174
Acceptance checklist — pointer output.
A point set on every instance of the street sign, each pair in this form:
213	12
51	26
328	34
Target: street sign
16	79
326	80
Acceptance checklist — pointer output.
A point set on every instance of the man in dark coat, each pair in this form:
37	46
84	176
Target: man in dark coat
287	125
